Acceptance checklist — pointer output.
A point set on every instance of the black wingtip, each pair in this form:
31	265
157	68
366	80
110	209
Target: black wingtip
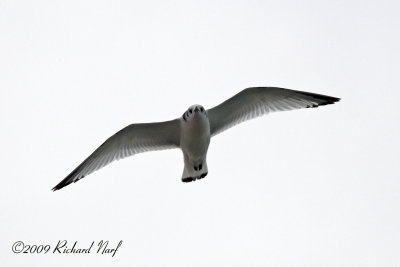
322	100
60	185
71	178
64	183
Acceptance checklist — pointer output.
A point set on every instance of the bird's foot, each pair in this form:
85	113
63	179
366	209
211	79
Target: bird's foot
191	179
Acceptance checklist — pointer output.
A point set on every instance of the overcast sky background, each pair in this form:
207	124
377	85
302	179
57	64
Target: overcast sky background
315	187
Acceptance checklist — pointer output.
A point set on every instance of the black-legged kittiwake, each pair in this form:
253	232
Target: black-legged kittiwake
193	130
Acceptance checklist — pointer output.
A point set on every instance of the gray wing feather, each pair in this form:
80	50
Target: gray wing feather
256	101
133	139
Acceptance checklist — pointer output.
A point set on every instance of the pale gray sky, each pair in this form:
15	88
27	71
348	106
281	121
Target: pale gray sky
316	187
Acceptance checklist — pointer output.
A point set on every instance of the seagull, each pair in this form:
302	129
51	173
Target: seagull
193	130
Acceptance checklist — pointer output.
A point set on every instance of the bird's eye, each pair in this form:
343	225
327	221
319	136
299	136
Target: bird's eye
190	111
201	109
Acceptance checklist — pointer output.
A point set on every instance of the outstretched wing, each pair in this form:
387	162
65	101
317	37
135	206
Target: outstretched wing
133	139
256	101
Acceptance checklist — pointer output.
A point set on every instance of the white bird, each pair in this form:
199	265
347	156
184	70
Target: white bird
192	132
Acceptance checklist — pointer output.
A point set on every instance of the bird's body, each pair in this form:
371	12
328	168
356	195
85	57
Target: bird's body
192	132
195	138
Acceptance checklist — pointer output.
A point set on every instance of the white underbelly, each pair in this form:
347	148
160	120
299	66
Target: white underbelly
195	137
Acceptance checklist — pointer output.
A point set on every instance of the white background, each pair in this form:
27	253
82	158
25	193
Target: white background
315	187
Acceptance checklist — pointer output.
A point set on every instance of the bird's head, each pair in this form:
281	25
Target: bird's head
194	110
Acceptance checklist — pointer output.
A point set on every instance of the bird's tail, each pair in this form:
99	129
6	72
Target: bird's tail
192	172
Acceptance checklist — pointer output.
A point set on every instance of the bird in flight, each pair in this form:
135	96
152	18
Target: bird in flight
193	130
